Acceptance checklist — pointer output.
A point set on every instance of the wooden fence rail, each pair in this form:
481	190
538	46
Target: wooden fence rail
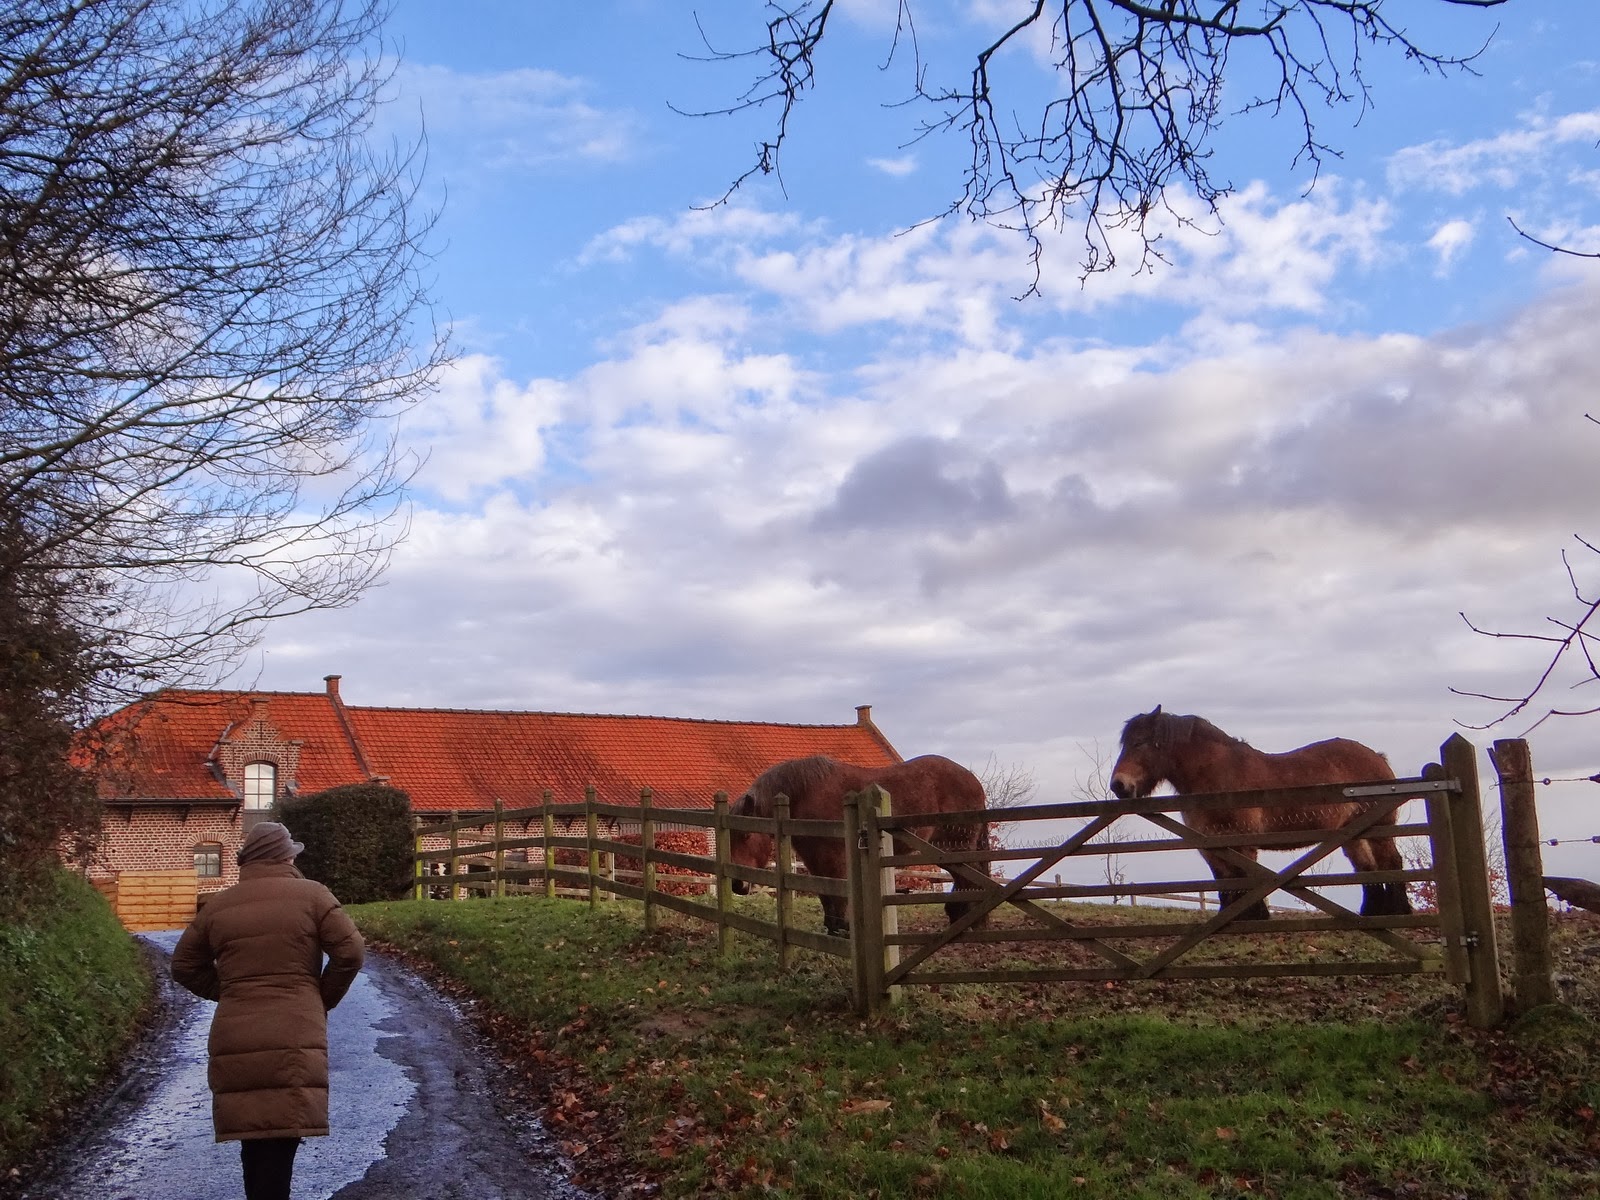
884	959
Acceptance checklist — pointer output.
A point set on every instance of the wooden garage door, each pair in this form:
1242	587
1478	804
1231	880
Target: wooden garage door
155	899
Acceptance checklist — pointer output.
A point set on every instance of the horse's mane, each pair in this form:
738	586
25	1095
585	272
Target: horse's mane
1171	729
791	778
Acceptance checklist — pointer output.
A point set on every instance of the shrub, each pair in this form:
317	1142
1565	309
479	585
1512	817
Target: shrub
75	987
358	840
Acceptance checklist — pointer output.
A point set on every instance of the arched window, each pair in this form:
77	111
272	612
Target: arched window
260	786
208	860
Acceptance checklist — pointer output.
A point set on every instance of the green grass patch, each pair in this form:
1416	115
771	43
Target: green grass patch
716	1075
74	986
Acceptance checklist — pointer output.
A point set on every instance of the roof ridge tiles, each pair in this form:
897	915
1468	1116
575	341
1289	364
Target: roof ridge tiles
541	712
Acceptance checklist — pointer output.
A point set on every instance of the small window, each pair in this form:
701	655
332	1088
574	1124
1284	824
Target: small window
260	786
208	860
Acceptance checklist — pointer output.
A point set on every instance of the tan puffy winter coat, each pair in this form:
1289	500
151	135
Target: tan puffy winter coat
256	949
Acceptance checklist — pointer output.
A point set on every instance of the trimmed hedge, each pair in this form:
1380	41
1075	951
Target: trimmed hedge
358	840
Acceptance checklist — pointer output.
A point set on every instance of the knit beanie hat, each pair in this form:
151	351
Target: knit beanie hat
268	842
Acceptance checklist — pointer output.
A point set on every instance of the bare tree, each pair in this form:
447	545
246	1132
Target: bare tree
1139	95
211	308
1571	651
1006	785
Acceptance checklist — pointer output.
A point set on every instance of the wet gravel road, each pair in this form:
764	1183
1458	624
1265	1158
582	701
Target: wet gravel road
411	1109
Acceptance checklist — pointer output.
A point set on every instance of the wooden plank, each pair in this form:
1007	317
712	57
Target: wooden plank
1188	971
1287	840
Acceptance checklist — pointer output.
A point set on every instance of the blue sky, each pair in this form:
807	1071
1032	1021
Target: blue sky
778	458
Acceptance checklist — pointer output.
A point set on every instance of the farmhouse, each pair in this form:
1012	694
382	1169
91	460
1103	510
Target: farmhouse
184	774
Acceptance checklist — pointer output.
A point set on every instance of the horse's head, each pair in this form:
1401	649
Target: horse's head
748	849
1146	758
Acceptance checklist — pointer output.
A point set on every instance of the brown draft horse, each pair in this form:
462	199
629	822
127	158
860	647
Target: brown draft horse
816	788
1194	756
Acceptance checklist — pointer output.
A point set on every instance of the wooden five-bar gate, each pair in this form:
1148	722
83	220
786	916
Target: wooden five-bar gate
1456	940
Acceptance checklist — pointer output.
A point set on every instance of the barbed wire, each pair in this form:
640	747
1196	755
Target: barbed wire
1567	841
1595	778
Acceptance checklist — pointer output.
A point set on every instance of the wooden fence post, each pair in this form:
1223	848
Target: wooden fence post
719	805
647	868
499	852
1485	997
592	825
1446	881
854	845
783	853
455	843
1532	977
881	921
418	891
548	830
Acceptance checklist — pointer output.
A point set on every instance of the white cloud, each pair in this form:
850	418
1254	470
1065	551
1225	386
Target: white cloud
513	119
1503	161
898	167
1449	241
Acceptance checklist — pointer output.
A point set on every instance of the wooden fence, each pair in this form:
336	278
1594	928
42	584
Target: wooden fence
884	959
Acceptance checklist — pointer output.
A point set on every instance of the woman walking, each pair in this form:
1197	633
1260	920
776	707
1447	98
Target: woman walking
257	950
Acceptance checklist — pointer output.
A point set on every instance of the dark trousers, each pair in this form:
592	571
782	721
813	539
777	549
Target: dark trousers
268	1164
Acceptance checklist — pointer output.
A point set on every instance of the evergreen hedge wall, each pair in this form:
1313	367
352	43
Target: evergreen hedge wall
358	840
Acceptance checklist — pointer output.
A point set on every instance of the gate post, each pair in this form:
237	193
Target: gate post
1485	1000
417	891
647	867
723	881
455	844
882	921
1532	982
783	854
870	918
592	833
547	826
855	908
499	851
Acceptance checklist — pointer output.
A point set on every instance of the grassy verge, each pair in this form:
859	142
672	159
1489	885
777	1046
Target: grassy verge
660	1064
74	986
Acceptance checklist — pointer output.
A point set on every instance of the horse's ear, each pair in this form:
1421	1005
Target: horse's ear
1156	711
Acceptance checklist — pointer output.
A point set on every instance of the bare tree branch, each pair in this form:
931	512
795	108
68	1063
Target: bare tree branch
1579	639
1139	98
1523	233
212	307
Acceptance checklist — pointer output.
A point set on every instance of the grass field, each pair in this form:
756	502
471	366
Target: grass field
663	1067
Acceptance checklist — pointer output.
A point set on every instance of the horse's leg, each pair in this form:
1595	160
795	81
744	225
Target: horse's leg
1379	899
835	916
956	909
1225	872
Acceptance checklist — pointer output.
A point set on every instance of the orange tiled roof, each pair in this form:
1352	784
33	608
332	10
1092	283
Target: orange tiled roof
451	759
162	748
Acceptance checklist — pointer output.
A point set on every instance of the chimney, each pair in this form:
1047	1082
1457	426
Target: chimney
863	714
333	685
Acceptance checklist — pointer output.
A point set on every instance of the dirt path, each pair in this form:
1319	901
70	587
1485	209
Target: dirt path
411	1109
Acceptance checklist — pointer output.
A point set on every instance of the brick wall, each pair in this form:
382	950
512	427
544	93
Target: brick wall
160	837
257	740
